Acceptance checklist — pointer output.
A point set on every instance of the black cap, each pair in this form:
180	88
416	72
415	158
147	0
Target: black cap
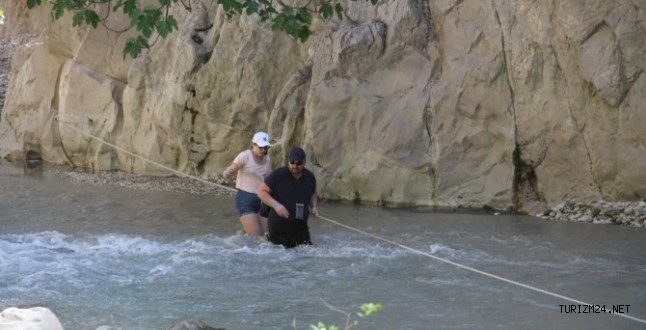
297	154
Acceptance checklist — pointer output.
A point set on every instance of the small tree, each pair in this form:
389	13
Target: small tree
295	20
367	309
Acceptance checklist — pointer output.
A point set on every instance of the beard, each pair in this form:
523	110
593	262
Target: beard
295	170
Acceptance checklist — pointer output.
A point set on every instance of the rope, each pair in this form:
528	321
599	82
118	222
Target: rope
181	174
471	269
474	269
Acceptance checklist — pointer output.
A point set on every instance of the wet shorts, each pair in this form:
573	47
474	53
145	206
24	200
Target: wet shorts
247	202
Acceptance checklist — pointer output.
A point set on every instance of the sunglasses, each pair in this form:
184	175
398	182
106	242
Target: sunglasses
263	148
294	162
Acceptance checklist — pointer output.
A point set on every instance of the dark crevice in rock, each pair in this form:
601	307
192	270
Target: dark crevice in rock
197	39
525	182
200	165
356	197
580	129
32	155
520	170
195	143
204	29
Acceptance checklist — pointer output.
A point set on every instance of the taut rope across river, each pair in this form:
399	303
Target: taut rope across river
410	249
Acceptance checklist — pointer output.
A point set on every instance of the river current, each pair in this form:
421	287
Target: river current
141	259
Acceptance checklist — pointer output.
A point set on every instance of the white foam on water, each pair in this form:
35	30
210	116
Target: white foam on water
478	258
34	257
28	259
436	248
210	270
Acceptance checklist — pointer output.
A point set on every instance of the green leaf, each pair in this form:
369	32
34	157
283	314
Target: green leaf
303	16
145	27
339	10
268	7
132	48
252	7
319	326
294	21
369	309
91	17
326	11
78	19
143	42
147	21
166	26
291	26
279	23
226	4
77	4
58	11
117	5
87	16
33	3
130	7
231	7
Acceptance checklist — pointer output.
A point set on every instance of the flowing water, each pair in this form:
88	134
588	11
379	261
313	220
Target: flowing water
133	259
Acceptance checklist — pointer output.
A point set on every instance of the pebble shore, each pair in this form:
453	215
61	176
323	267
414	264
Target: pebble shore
601	212
216	184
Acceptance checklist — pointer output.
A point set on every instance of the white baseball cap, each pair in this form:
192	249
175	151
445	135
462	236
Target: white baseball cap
261	139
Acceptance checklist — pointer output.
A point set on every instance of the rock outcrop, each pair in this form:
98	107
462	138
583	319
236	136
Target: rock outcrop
509	104
42	318
36	318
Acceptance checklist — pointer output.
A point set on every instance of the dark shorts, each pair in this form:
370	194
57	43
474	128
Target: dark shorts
247	202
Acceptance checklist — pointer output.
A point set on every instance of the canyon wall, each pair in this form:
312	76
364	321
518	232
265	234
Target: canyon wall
451	103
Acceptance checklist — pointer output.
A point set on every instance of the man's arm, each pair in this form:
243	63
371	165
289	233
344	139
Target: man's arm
314	203
264	193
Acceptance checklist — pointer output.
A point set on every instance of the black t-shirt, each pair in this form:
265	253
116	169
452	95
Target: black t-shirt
289	191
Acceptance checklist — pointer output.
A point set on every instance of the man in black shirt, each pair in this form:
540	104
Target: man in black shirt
291	193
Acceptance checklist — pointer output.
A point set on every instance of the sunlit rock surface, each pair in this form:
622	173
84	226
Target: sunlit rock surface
522	104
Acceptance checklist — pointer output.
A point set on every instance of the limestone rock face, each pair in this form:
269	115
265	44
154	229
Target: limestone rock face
521	104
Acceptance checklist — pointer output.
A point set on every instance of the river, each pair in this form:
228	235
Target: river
142	259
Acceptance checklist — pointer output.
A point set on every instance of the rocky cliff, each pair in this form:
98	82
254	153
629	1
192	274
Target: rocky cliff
521	104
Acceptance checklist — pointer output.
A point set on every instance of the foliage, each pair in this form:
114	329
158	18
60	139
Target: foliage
367	309
294	20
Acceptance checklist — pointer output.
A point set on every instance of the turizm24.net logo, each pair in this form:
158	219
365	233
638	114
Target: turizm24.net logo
594	309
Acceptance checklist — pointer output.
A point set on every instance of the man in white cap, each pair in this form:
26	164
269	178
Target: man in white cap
251	167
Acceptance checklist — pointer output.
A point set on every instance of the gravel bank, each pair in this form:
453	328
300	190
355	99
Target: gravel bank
216	185
600	212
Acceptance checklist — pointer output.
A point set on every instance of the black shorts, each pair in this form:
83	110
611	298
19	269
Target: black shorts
288	233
